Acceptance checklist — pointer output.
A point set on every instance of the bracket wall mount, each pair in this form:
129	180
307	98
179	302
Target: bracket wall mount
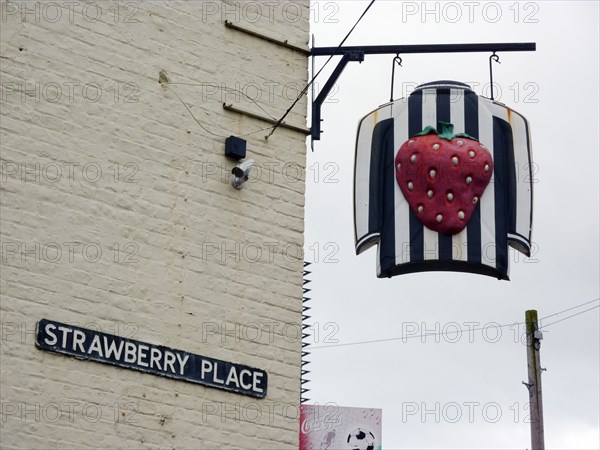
357	53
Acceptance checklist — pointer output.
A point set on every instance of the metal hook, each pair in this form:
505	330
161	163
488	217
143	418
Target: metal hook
398	60
496	58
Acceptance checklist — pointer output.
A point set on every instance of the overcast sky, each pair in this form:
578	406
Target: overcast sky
465	391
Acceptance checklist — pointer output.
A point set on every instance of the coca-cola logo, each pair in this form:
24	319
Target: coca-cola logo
310	424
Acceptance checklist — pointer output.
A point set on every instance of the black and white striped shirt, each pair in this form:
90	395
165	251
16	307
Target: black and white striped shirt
503	215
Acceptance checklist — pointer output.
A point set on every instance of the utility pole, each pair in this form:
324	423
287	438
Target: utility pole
534	384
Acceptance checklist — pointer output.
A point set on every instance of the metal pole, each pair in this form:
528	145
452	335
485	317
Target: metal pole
534	384
426	48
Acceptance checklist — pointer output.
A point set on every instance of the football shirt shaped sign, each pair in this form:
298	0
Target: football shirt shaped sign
443	182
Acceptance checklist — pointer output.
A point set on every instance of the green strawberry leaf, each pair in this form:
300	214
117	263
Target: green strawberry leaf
446	132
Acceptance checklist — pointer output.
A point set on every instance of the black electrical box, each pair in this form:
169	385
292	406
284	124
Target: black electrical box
235	148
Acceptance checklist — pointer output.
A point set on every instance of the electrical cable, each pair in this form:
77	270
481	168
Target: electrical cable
224	88
570	309
568	317
167	83
279	122
460	330
191	113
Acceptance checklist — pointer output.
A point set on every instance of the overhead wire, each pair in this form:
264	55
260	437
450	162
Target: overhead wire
166	82
461	330
568	317
570	309
425	335
191	113
280	121
225	88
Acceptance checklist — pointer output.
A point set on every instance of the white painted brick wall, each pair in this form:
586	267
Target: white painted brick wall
186	260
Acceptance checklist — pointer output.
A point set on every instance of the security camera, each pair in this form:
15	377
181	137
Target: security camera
241	173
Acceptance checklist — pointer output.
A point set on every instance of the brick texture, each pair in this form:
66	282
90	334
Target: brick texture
118	214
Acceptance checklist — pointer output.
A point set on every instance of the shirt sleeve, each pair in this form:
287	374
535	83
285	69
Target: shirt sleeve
519	232
518	182
367	168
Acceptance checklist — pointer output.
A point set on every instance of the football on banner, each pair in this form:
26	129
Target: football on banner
331	427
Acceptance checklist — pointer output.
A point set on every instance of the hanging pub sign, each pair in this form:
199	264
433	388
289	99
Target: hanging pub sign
105	348
443	181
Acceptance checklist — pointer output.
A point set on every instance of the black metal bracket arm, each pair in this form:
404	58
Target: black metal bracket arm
357	53
425	48
318	102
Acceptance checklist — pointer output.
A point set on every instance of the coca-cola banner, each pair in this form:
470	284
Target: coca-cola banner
334	427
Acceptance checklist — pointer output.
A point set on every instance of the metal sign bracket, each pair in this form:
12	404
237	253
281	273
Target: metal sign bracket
357	53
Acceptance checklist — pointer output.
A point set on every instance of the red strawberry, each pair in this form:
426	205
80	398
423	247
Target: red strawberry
442	176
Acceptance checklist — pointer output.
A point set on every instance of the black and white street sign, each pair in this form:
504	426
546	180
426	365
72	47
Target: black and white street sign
83	343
